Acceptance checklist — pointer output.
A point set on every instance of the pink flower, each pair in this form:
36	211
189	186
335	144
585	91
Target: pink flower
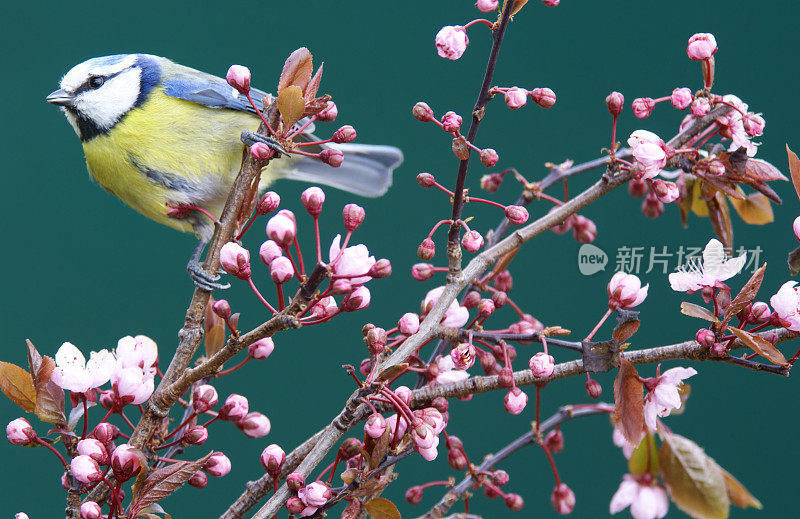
551	3
515	97
643	107
282	228
542	365
681	98
234	409
796	227
328	115
700	107
648	152
238	77
85	469
137	352
218	465
486	6
409	323
665	191
448	373
754	124
281	270
126	462
268	202
272	458
451	122
326	307
715	269
358	299
73	373
563	499
701	47
262	348
94	449
404	394
463	355
786	305
132	385
313	495
516	214
235	259
432	417
472	241
20	432
353	262
313	197
375	426
455	316
732	126
515	400
90	510
646	499
626	291
254	425
451	41
662	394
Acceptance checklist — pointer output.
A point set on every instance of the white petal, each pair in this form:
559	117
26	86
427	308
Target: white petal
667	396
675	375
731	267
335	247
646	505
650	414
69	355
685	281
713	255
456	316
624	496
100	366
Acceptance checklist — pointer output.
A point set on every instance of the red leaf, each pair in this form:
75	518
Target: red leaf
49	397
794	170
762	170
745	295
297	70
313	85
759	345
164	481
629	403
17	384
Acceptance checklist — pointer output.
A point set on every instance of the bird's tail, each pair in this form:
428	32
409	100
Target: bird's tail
366	170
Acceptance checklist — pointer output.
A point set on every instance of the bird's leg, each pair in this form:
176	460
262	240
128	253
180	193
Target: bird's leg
249	138
200	277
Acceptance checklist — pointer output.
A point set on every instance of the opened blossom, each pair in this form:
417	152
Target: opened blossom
663	395
313	496
455	316
714	269
649	152
646	499
74	373
140	352
625	291
353	262
786	306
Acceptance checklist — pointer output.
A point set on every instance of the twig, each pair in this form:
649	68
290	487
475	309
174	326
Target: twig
460	335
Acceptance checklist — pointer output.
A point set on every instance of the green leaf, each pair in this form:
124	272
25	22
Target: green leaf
644	458
694	481
382	508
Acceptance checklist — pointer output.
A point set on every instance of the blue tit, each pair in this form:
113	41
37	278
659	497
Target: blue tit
157	135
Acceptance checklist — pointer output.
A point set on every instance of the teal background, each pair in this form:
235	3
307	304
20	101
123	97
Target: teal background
79	266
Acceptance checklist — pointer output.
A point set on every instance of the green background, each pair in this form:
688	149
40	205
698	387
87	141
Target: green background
80	266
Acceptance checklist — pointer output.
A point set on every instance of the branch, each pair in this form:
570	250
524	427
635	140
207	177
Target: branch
534	436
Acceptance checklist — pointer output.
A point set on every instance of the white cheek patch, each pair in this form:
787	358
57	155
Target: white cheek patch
107	104
72	120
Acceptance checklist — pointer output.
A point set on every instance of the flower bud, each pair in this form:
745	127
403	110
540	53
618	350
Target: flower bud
272	458
583	229
312	199
414	495
472	299
94	449
503	281
85	469
665	191
341	286
261	151
643	107
594	389
543	97
422	271
204	397
268	202
295	505
235	260
681	98
380	269
222	308
701	46
426	249
376	340
486	308
483	6
488	364
451	41
491	182
542	365
218	465
404	394
499	299
515	400
753	124
426	180
234	409
326	307
472	241
551	3
488	157
262	348
460	147
254	425
637	187
350	447
281	270
516	97
329	113
344	134
238	77
90	510
516	214
716	168
358	299
700	107
759	313
422	112
375	426
615	103
451	122
199	479
126	462
332	157
456	459
20	432
514	501
195	435
563	499
705	337
106	432
554	441
652	207
295	481
353	216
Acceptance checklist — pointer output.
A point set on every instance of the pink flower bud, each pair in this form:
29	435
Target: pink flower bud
315	494
426	180
638	187
328	115
499	299
235	259
593	389
705	337
126	462
666	191
463	355
332	157
506	377
408	324
515	401
516	214
85	469
281	270
451	41
451	122
90	510
543	97
222	308
341	286
204	397
701	46
422	112
554	441
643	107
472	299
625	291
404	394
456	459
504	281
460	147
563	499
550	3
238	77
295	481
515	97
94	449
414	494
295	506
312	199
326	307
376	340
358	299
753	124
353	215
583	229
344	134
268	202
422	271
486	308
261	151
375	426
282	228
269	251
20	432
426	249
542	365
491	182
272	458
488	157
381	269
195	435
615	103
652	207
106	432
759	313
218	465
681	98
262	348
700	107
199	479
424	436
234	409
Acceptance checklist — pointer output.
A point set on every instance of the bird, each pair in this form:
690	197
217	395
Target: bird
160	135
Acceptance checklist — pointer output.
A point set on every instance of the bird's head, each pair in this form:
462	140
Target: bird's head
96	94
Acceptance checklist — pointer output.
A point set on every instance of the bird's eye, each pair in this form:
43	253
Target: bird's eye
96	81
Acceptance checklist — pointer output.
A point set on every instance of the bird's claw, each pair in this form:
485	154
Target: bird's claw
249	138
203	279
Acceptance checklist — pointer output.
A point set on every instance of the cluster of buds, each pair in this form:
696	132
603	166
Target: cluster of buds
450	123
516	97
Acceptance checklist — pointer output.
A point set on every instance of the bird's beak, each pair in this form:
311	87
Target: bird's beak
60	97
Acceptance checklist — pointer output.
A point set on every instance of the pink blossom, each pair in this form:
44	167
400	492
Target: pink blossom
254	425
646	499
358	299
94	449
625	291
282	228
542	365
551	3
272	458
326	307
234	409
281	270
238	77
665	191
714	269
662	394
563	499
73	373
451	122
754	124
486	6
85	469
328	114
515	400
218	465
20	432
648	152
681	98
404	394
409	323
619	440
515	97
262	348
314	495
732	126
90	510
432	417
700	107
353	262
313	197
463	355
398	430
235	259
455	316
643	107
701	46
448	373
472	241
139	352
796	227
268	202
126	462
132	385
786	306
424	438
451	41
375	426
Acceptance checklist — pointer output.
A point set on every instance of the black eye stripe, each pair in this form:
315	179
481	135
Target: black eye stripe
87	85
